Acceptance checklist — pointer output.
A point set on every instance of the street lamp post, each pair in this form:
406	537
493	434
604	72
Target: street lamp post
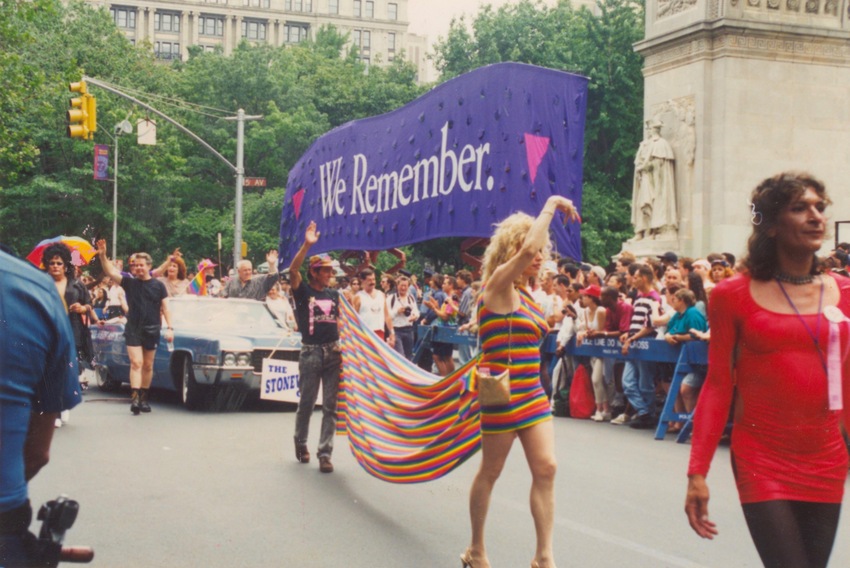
123	127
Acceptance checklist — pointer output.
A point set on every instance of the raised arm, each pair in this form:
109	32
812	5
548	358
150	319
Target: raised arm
162	268
311	237
498	294
108	268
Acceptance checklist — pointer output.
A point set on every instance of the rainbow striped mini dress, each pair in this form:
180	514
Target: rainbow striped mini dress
526	328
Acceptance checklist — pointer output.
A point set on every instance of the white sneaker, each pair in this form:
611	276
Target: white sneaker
597	417
65	416
606	416
620	420
57	423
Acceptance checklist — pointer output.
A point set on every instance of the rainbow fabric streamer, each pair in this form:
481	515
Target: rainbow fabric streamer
404	424
198	285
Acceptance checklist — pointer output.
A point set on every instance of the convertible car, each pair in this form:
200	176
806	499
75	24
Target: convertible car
215	362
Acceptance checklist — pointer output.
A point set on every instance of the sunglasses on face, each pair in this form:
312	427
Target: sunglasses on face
55	263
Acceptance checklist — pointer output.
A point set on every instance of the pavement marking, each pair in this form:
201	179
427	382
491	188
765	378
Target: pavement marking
667	559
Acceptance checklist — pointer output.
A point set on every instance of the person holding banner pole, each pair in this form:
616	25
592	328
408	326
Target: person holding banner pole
511	328
317	314
779	340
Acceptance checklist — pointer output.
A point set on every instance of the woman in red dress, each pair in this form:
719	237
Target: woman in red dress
778	341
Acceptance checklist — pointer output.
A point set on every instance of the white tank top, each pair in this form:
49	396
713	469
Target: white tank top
372	309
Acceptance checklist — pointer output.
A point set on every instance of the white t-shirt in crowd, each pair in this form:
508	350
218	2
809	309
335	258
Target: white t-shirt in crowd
372	309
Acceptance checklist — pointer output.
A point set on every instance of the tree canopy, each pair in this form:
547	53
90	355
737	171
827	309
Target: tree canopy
596	45
177	194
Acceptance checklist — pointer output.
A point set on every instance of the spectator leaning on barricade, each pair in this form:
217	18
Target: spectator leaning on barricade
466	306
639	376
618	320
591	320
246	285
680	329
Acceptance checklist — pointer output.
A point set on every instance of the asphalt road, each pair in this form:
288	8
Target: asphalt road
182	489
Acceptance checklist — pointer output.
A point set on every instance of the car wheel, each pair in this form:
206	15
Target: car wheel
191	393
105	381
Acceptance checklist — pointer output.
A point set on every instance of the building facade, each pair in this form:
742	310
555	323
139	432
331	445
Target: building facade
378	28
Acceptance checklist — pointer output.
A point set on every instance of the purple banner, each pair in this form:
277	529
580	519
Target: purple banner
101	162
475	149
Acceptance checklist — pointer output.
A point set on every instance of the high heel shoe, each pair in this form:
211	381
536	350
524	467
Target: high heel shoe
466	560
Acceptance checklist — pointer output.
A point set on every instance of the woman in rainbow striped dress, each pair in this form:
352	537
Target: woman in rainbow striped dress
511	330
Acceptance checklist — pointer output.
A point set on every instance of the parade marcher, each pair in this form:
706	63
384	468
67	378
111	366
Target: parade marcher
317	313
38	380
207	268
404	312
778	348
147	300
172	273
511	327
246	285
371	304
57	262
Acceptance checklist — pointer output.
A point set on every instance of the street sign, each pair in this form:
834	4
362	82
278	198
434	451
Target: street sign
254	182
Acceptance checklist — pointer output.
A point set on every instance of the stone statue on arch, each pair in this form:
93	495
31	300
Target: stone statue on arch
654	191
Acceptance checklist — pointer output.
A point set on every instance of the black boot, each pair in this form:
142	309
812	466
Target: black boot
134	403
143	400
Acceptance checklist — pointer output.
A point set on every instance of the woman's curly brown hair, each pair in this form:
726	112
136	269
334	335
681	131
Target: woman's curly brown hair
768	199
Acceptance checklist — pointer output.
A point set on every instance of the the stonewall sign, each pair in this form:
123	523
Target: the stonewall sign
475	149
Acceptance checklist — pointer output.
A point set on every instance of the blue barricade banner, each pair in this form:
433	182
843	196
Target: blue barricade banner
497	140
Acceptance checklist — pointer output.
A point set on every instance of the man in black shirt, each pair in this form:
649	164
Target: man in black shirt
146	300
317	313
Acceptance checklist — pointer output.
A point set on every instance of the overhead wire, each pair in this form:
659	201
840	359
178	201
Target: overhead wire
178	103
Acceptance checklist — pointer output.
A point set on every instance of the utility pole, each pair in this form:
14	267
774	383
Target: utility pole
240	180
238	169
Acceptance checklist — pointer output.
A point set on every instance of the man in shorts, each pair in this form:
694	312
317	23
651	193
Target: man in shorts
146	300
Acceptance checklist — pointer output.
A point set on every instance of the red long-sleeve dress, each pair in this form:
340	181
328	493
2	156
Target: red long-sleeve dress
786	443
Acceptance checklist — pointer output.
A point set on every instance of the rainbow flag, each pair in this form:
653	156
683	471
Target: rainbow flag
198	285
404	424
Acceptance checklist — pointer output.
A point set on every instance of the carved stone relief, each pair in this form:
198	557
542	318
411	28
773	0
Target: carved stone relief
831	7
666	8
793	5
812	6
773	4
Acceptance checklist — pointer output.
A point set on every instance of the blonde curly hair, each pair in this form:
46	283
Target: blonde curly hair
506	241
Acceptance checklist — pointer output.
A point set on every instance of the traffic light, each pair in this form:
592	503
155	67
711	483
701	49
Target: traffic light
82	117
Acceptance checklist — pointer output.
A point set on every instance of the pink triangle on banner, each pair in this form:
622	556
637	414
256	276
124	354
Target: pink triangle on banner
535	149
297	198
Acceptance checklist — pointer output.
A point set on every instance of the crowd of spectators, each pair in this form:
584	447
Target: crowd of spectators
662	297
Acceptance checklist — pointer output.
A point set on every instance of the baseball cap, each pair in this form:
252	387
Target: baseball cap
669	256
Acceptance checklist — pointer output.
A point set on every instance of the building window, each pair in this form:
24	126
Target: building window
367	40
256	3
355	38
166	50
365	61
358	8
211	25
392	11
254	30
333	6
391	42
298	5
124	17
166	21
295	33
370	9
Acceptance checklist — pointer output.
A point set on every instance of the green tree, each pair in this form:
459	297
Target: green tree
597	46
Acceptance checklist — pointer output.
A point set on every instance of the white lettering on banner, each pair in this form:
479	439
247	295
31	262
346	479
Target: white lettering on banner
281	381
332	188
429	177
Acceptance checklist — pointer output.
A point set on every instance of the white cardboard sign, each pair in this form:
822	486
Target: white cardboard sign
282	382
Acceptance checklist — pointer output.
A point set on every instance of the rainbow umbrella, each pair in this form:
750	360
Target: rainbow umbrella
82	251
